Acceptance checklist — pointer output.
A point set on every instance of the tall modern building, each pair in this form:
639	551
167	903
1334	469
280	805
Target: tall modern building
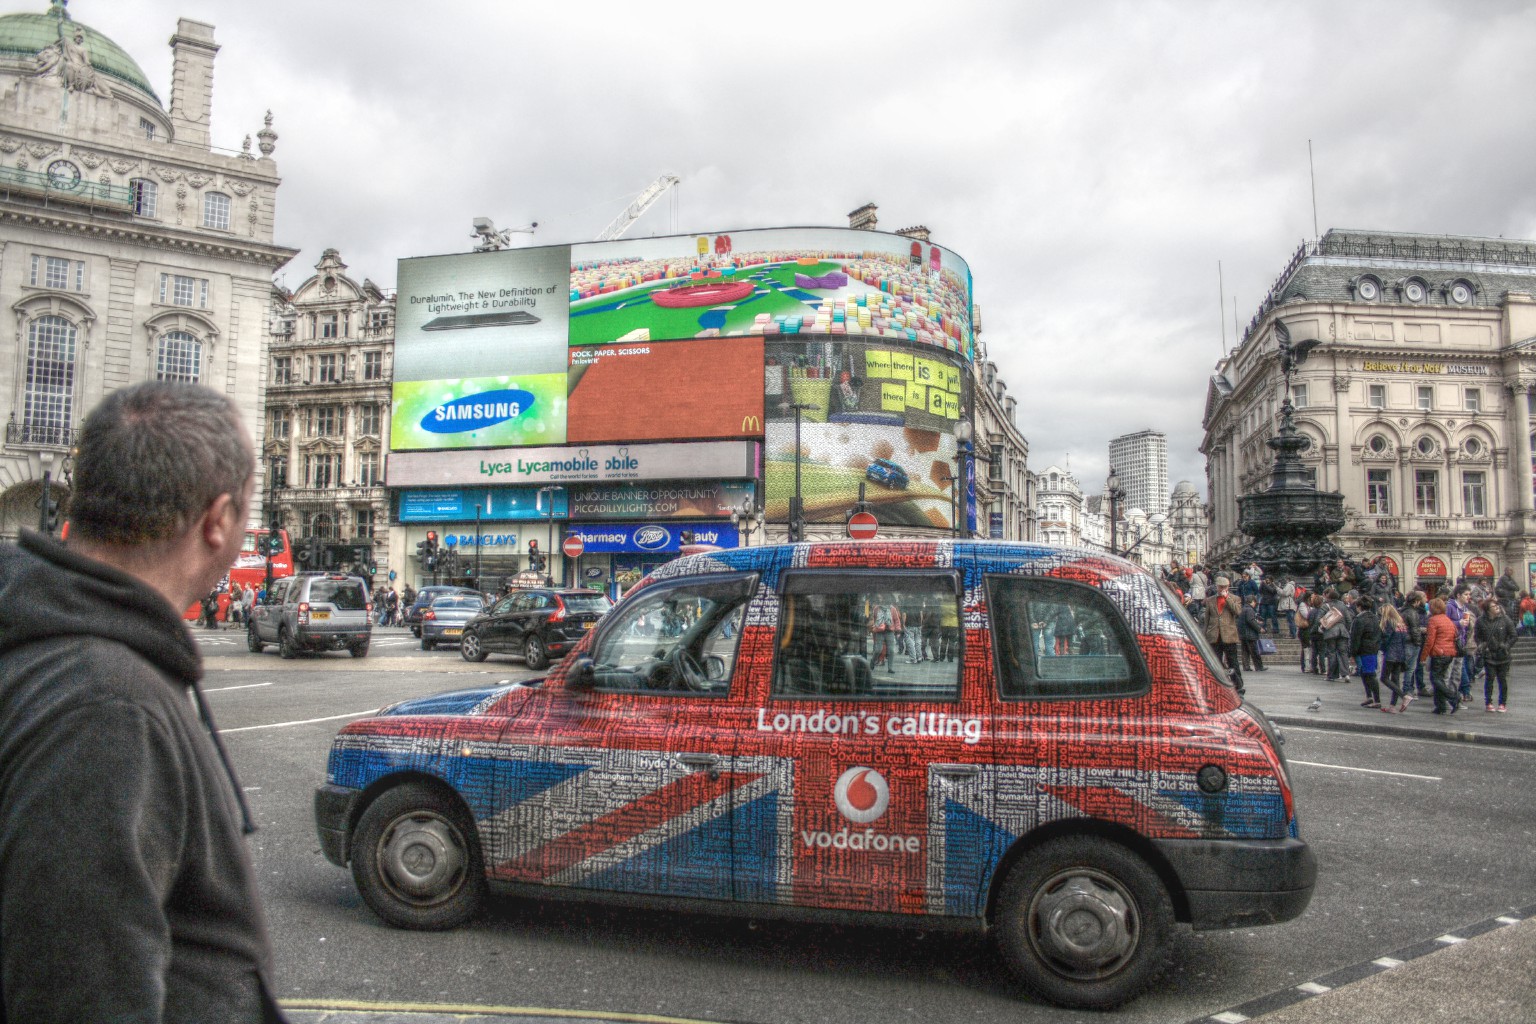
1140	462
131	248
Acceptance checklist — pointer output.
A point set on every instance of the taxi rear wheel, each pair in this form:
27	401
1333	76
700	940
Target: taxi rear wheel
1084	922
416	859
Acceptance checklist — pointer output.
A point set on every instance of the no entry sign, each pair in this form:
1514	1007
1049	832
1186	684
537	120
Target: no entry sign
573	547
863	526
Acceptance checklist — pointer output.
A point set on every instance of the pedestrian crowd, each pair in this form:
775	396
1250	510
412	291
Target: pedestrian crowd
1353	621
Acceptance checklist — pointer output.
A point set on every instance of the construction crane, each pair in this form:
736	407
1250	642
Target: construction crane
654	191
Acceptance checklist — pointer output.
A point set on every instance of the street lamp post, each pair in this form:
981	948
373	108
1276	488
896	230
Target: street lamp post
1115	494
796	506
477	546
274	521
549	551
963	434
747	519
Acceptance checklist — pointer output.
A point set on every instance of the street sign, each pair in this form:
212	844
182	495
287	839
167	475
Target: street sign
863	526
573	546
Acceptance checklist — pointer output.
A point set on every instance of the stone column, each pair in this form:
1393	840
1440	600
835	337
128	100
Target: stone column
1520	446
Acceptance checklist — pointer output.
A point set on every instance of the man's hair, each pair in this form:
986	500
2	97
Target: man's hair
152	458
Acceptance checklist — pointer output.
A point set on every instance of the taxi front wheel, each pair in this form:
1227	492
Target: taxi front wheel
416	859
1084	922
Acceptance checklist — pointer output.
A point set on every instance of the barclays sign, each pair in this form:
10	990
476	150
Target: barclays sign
487	540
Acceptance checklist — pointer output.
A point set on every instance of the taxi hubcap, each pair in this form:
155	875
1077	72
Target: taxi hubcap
422	857
1084	922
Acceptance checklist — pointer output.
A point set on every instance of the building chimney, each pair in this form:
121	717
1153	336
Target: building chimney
863	219
192	52
918	231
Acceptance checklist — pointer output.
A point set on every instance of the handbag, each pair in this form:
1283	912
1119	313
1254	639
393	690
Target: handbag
1267	646
1330	618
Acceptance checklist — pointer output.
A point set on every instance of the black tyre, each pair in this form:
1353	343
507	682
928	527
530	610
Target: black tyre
285	645
469	646
416	859
534	654
1084	922
252	640
359	650
428	645
415	631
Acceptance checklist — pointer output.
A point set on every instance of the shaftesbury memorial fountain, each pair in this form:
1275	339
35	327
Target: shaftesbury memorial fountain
1291	522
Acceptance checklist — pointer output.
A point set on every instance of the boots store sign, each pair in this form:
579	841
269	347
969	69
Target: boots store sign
586	464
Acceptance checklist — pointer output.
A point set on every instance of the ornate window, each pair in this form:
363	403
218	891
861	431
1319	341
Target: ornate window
1474	490
1377	445
1472	446
368	419
368	474
328	368
179	357
57	272
282	369
145	195
281	425
183	290
49	399
373	366
322	526
322	470
365	518
1425	445
1426	492
216	211
1378	492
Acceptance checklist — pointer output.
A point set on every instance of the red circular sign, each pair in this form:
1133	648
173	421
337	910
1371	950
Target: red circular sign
1431	567
863	526
1478	567
573	546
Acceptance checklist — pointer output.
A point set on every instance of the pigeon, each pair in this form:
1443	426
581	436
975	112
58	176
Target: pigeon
1316	705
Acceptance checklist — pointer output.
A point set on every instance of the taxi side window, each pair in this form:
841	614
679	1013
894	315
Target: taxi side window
1054	638
872	636
680	639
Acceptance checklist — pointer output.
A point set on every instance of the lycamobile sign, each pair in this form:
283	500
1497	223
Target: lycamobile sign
703	460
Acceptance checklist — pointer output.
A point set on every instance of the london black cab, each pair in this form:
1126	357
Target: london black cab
1030	740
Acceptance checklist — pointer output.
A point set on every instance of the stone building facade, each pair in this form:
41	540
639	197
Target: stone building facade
1188	524
131	249
1005	488
327	416
1416	400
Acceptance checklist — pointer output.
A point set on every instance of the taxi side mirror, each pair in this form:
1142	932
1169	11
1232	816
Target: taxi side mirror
582	676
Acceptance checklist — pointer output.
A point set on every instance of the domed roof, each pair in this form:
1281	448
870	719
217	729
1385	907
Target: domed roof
1184	487
25	35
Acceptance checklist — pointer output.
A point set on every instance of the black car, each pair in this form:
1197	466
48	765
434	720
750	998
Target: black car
537	623
424	597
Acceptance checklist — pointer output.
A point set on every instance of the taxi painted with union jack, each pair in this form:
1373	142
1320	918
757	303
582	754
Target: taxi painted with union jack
1026	739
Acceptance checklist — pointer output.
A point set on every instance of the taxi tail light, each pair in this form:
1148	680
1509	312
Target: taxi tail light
559	615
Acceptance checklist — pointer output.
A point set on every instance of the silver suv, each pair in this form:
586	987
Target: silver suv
313	611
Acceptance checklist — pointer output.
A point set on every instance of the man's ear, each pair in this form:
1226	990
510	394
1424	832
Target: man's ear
218	521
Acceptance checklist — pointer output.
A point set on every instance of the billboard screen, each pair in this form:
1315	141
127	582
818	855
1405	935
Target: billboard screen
541	346
661	391
882	416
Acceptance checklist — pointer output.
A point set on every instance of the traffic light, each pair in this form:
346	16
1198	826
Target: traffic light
535	556
274	541
432	541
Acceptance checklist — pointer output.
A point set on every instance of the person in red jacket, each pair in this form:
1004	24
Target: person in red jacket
1440	650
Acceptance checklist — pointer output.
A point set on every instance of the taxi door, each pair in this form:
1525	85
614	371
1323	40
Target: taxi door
865	714
644	751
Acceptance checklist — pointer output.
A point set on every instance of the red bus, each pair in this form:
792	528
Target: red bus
250	567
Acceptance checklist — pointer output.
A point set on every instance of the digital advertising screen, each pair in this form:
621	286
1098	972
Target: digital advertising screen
872	414
660	391
655	338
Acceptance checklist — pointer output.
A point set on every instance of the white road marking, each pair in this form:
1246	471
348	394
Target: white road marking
1312	988
1367	771
306	721
1387	962
1229	1017
242	686
1450	940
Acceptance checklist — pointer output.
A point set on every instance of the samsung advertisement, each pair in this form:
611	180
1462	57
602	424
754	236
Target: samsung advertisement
663	339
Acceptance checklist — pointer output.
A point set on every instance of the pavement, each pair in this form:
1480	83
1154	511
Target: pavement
1479	973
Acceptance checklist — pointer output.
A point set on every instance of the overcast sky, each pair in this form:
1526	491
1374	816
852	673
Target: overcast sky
1092	161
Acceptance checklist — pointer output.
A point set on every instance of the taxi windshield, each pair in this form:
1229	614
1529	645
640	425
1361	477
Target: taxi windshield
674	638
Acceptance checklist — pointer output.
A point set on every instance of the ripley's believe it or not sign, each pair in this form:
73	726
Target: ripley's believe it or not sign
662	339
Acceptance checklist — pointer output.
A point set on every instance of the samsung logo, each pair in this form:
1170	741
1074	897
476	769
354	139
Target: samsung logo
473	412
651	538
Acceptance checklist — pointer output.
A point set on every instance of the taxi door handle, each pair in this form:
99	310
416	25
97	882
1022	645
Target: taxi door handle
957	771
708	762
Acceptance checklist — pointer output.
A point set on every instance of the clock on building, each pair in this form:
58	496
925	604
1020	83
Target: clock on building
63	174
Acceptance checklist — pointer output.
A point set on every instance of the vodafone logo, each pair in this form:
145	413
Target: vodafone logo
861	795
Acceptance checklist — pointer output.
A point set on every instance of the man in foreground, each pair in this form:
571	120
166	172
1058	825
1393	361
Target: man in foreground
126	893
